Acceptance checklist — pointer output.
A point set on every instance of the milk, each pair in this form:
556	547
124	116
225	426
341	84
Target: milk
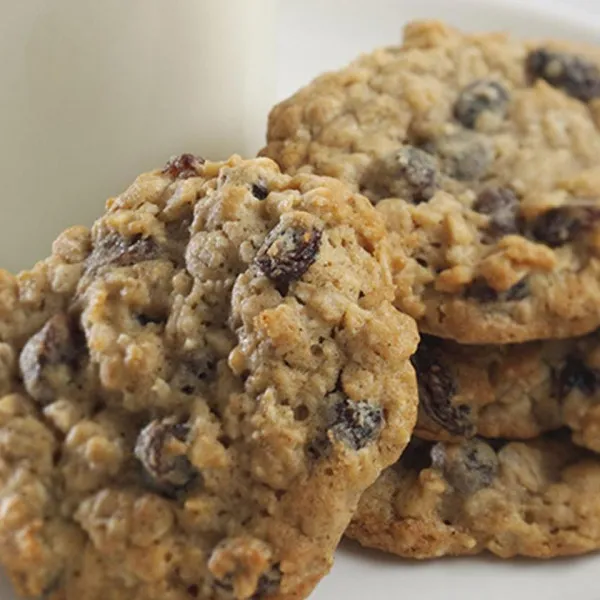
94	92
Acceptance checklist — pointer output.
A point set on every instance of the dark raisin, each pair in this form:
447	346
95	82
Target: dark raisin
437	387
468	467
416	455
57	347
183	166
517	292
118	251
161	448
576	374
224	588
287	253
268	583
260	191
573	74
480	96
557	226
465	155
357	424
502	206
481	291
225	584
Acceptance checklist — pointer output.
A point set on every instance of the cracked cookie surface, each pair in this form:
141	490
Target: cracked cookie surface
514	391
481	153
537	498
195	393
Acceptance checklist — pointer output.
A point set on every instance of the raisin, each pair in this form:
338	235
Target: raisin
561	225
517	292
183	166
224	587
573	74
481	291
260	191
408	173
502	206
161	448
268	583
287	253
437	387
118	251
357	424
557	226
468	467
465	155
576	374
480	96
56	348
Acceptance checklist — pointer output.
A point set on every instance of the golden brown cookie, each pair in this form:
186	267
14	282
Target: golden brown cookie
514	391
537	498
481	153
196	393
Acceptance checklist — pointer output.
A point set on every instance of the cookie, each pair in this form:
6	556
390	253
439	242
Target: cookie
537	498
196	393
514	391
481	153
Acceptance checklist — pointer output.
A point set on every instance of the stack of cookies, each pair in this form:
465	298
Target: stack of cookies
390	335
482	155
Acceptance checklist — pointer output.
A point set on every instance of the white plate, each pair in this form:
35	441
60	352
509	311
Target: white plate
317	35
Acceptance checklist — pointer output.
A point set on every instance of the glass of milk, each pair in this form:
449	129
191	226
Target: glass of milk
95	92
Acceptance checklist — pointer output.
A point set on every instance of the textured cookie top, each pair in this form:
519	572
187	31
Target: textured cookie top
481	153
196	392
514	391
536	498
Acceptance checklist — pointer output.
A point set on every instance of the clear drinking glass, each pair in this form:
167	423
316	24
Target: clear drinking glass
95	92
